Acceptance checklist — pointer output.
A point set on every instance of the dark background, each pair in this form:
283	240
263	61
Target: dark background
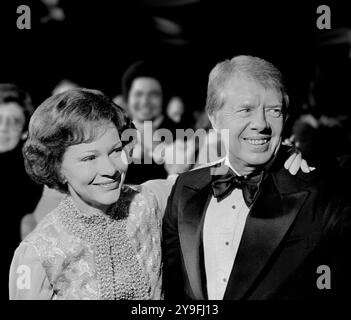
99	39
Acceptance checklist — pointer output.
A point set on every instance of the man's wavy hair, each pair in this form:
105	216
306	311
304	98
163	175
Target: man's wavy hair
252	68
63	120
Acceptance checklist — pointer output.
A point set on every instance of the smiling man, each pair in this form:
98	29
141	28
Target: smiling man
254	113
244	228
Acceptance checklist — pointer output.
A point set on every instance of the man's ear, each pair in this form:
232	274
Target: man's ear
213	119
287	116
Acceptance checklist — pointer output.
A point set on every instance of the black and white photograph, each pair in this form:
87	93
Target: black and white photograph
175	153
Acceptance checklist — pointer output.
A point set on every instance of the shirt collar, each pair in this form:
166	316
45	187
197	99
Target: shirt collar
228	164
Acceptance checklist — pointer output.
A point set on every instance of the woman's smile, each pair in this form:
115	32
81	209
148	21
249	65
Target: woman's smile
109	184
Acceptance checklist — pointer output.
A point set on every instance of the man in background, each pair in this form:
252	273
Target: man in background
144	92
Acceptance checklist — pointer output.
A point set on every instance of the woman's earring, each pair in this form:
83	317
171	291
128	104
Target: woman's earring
24	135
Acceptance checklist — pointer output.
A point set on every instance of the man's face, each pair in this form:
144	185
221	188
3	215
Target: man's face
255	120
145	99
12	120
175	109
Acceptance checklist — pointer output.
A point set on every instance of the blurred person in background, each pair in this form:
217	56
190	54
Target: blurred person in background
175	109
19	194
325	119
51	12
64	85
178	111
119	100
144	92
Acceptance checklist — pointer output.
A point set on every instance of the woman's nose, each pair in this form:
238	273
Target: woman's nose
107	167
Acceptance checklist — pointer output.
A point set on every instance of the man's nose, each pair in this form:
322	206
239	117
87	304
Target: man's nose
144	99
259	121
107	167
4	124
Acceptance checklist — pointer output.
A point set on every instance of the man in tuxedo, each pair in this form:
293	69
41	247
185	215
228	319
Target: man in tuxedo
244	228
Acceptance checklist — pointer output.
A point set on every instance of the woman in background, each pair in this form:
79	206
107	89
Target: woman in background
19	194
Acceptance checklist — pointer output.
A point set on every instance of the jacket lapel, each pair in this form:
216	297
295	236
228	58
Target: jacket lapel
190	225
270	218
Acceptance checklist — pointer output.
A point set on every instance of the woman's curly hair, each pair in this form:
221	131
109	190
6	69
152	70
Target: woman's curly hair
63	120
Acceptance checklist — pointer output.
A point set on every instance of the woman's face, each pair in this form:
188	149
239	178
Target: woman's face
12	121
95	171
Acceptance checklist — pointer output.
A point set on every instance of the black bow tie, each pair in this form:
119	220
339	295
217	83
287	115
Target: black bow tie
223	185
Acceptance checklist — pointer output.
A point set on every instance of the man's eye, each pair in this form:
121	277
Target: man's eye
154	95
17	121
137	94
245	111
275	112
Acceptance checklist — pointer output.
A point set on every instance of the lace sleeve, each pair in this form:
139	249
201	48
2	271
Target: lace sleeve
28	279
144	230
161	190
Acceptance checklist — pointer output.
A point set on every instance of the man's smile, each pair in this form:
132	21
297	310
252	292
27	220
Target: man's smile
257	141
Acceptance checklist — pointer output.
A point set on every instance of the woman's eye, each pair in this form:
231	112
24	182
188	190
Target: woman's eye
117	151
88	158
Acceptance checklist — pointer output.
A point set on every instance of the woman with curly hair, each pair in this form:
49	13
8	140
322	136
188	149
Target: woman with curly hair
103	240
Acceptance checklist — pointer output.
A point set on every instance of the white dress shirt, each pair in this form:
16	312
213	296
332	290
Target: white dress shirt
223	228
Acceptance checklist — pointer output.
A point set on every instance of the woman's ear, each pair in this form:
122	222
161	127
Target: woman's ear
63	179
61	176
128	152
129	148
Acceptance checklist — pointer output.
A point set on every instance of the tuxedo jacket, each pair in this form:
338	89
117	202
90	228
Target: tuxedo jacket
295	243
